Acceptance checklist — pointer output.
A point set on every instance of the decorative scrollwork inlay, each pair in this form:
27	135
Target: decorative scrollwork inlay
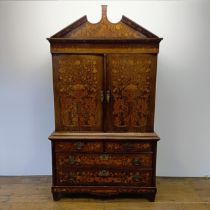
131	87
79	87
104	29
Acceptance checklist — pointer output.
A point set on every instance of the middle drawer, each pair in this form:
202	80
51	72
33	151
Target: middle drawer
104	160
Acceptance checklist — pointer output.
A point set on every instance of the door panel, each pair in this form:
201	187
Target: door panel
78	83
132	87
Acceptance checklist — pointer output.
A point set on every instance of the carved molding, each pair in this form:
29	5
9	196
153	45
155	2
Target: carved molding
106	190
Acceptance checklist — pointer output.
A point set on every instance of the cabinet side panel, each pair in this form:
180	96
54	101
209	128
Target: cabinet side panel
132	92
77	89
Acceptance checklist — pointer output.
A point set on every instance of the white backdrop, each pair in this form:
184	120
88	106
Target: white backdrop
183	80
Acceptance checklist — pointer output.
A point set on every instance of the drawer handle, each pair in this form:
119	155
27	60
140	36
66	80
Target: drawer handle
103	173
104	157
72	161
79	145
136	177
72	177
136	162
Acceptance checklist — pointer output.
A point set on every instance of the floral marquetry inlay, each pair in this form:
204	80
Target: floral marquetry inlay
104	160
131	90
79	85
104	177
104	29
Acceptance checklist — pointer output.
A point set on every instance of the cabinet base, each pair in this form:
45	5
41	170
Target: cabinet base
104	192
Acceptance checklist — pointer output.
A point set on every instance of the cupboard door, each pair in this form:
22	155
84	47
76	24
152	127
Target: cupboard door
78	84
131	86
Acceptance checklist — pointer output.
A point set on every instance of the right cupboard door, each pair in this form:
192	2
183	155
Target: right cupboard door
130	91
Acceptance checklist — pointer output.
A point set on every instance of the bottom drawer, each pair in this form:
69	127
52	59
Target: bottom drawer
141	178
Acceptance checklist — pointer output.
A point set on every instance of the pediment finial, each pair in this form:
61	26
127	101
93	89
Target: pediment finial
125	29
104	11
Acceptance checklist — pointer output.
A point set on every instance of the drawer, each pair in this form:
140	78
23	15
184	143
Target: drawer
104	177
120	147
103	160
79	146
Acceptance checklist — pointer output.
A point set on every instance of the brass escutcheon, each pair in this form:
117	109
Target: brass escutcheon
104	157
103	173
79	145
108	95
127	146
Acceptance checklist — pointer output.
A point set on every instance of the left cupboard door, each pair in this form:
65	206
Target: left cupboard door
78	92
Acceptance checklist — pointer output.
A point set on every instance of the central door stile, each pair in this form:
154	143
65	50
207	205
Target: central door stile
104	93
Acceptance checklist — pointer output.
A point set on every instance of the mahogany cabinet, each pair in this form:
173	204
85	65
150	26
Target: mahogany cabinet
104	79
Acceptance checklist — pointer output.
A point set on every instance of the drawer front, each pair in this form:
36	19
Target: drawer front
64	160
119	147
104	177
79	146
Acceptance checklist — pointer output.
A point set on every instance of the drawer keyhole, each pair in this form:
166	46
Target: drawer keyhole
79	145
128	146
103	173
104	157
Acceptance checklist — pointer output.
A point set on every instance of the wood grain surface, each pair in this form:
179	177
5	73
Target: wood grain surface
33	192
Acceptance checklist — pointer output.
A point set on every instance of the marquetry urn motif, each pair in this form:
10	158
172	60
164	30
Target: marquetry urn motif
104	79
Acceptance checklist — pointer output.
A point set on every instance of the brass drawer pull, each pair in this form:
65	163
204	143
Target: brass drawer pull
136	177
104	157
72	161
79	145
72	177
136	162
103	173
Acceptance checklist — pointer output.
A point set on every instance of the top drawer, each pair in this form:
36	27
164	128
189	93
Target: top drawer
128	147
79	146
